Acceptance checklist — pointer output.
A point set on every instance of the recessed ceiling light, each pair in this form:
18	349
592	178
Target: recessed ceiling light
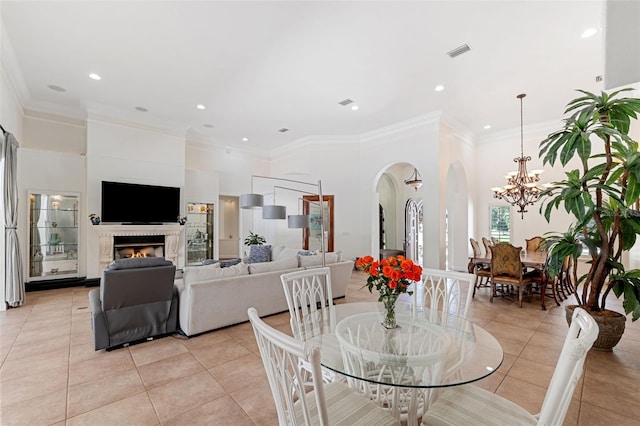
57	88
439	88
94	76
208	126
355	107
245	139
200	106
142	109
589	32
487	126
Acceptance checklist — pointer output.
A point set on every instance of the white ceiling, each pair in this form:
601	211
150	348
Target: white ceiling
261	66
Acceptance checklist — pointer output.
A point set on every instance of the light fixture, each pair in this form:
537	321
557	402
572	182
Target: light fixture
414	180
487	126
251	201
274	212
94	76
355	107
521	188
589	32
298	221
439	88
200	106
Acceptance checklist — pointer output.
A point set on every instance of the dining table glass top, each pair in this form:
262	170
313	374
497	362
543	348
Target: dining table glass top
427	350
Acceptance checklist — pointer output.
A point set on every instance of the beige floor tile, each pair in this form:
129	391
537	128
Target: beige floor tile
511	331
526	395
169	369
84	352
37	335
42	410
95	394
53	344
531	372
156	350
37	364
491	382
185	394
220	412
609	389
82	338
542	355
257	402
135	410
210	356
241	373
31	386
96	368
212	338
591	415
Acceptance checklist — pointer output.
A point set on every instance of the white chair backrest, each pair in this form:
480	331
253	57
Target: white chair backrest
280	354
445	294
582	333
310	301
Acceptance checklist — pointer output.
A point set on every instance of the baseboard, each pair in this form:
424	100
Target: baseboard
53	284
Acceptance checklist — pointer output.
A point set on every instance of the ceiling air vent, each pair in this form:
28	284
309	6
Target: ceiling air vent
599	78
459	51
345	102
283	130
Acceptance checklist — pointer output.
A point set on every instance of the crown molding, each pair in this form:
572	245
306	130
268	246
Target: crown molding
57	118
197	140
208	146
402	126
109	115
514	132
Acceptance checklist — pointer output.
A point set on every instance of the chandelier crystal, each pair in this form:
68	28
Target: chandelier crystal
522	187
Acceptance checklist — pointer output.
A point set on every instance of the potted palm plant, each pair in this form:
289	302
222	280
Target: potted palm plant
602	196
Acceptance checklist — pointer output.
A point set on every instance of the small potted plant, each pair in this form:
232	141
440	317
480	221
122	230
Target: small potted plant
95	219
254	240
602	195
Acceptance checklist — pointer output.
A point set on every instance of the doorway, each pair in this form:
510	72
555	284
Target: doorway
229	234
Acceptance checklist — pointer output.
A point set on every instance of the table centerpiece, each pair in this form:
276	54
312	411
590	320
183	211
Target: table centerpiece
391	277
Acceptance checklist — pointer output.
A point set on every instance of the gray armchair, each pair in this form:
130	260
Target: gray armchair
136	300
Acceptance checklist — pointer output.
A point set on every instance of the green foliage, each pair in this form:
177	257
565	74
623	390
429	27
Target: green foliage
254	240
600	195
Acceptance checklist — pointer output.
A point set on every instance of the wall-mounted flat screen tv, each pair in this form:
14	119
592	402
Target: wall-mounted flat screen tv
139	204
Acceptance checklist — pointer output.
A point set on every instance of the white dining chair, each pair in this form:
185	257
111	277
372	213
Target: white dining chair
326	404
472	405
445	294
396	366
310	303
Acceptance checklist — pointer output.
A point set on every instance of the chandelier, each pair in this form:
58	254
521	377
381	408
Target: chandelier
414	180
522	187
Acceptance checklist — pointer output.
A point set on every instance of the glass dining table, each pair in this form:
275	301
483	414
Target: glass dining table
403	368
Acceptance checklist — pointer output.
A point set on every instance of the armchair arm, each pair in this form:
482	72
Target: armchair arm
98	322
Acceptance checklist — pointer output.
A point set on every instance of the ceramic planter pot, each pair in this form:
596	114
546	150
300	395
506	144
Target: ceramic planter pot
611	326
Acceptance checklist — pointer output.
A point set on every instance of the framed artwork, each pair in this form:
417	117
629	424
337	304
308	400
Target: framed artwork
311	236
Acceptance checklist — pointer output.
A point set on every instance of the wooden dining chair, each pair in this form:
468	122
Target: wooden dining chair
545	284
310	303
506	268
325	404
472	405
480	270
535	245
487	246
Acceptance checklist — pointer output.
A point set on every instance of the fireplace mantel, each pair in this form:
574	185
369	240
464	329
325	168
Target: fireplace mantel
106	233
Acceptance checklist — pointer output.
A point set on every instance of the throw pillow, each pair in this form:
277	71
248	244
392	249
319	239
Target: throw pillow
230	262
138	262
275	252
260	253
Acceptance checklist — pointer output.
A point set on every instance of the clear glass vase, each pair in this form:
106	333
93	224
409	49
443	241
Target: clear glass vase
389	311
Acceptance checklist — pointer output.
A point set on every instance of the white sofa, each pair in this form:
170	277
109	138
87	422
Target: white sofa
211	299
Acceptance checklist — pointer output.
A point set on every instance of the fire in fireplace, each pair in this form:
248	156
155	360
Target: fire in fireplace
138	246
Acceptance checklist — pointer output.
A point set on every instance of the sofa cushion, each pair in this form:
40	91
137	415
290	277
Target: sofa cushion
210	261
194	274
277	265
316	259
138	262
260	253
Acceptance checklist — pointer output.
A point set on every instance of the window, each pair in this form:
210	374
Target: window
500	223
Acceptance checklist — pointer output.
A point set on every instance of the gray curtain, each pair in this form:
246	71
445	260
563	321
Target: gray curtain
14	284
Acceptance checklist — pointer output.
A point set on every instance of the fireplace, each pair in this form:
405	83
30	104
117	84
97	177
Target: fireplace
160	240
125	246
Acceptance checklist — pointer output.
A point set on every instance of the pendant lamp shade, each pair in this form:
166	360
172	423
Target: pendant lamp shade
298	221
274	212
251	201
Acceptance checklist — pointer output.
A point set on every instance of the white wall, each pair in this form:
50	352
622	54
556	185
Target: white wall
123	153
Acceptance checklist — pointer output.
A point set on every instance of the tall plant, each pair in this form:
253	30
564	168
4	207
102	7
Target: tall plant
602	195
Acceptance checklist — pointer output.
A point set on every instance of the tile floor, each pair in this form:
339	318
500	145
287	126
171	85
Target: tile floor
51	375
